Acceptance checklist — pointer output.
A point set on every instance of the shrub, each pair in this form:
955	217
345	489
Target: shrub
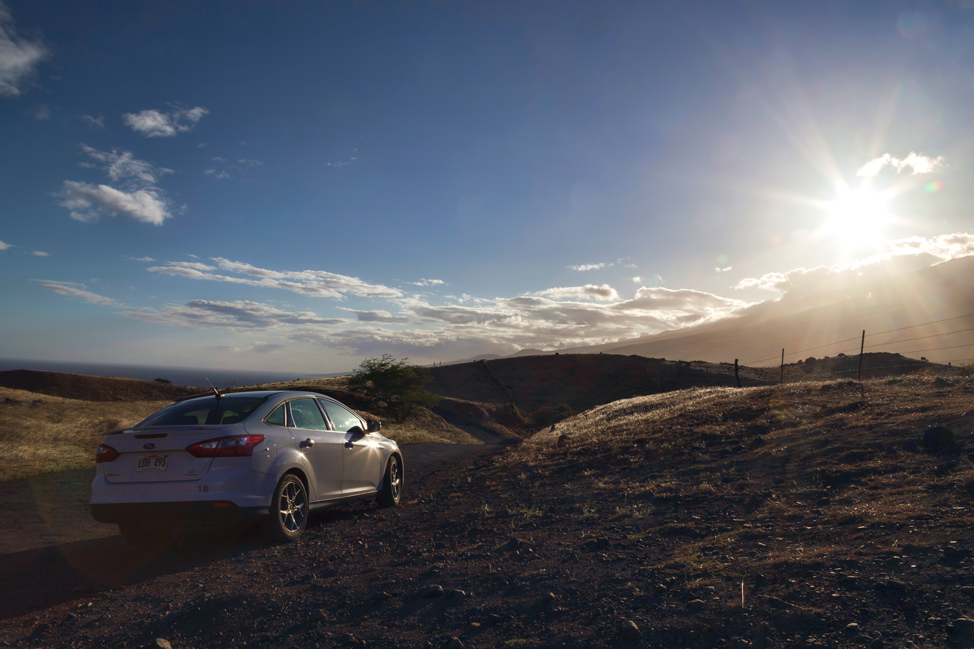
393	386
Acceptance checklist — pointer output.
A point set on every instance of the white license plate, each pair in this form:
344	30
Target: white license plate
152	463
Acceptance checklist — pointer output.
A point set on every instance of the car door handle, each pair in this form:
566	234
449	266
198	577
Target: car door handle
308	443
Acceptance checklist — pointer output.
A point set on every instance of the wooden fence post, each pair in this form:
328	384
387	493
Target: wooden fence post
861	348
781	379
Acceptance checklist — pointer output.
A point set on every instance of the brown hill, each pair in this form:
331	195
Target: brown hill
831	514
580	381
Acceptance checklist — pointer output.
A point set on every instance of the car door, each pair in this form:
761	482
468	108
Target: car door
363	457
322	447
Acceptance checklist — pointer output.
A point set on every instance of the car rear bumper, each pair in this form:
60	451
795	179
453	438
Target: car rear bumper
212	512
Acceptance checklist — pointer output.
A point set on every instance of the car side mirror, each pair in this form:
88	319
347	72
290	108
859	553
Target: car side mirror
374	425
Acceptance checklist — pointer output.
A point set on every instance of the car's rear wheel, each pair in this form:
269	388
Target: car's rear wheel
142	536
391	484
289	510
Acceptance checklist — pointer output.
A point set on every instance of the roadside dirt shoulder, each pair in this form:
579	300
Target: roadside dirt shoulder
52	551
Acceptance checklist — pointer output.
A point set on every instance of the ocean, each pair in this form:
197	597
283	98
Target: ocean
192	376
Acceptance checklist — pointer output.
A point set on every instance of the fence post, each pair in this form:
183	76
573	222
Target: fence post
781	379
737	374
861	348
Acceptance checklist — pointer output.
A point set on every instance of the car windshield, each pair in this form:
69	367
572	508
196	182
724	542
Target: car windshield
226	410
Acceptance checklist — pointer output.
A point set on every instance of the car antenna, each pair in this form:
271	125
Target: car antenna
215	391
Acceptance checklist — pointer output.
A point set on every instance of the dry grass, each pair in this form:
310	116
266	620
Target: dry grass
41	434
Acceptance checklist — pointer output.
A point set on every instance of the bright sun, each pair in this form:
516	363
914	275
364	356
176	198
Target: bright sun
858	217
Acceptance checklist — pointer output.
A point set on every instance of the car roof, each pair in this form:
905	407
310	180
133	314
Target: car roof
259	394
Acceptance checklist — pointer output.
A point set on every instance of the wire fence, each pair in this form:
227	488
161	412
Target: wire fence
860	349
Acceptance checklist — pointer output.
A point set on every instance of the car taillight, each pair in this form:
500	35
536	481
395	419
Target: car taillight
105	453
233	446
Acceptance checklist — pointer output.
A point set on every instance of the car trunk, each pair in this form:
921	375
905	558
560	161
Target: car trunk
159	454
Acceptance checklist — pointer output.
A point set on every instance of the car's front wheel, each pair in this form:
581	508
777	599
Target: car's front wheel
391	484
289	510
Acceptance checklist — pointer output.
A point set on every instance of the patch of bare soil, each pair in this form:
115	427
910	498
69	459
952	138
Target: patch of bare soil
816	514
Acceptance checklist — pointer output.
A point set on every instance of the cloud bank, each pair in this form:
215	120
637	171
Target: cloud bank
911	253
604	292
73	289
239	316
315	283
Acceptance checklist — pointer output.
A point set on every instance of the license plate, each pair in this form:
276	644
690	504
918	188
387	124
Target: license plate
152	463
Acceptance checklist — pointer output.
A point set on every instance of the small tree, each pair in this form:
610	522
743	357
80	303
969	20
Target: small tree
395	386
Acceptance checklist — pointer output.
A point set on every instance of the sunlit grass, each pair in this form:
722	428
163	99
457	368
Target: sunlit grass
41	434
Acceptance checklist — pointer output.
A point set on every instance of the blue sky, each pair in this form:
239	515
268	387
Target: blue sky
300	185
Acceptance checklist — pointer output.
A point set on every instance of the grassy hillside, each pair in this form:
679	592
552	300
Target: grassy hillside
58	425
42	434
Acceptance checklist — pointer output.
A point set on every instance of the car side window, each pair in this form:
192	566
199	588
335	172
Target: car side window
278	417
305	414
343	419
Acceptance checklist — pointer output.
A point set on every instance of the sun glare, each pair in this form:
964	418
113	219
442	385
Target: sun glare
858	217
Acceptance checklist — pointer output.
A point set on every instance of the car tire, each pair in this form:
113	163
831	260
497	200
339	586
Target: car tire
392	483
142	536
289	510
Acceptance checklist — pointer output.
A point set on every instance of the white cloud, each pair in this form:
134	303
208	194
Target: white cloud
429	282
38	253
154	123
139	197
124	166
723	270
315	283
94	122
506	325
604	292
239	315
920	164
42	112
73	289
378	316
914	252
637	279
585	267
87	201
19	57
4	246
145	259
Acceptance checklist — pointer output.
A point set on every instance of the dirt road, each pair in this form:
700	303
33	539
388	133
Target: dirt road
52	551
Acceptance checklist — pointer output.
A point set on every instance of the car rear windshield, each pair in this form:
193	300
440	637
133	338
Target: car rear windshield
226	410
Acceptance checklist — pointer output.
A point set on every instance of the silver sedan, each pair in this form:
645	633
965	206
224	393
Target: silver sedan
273	456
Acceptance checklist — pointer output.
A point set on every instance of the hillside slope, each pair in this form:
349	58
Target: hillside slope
813	514
581	381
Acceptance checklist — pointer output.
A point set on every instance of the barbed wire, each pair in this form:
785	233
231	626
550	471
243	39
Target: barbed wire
922	324
752	363
802	351
936	349
906	340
